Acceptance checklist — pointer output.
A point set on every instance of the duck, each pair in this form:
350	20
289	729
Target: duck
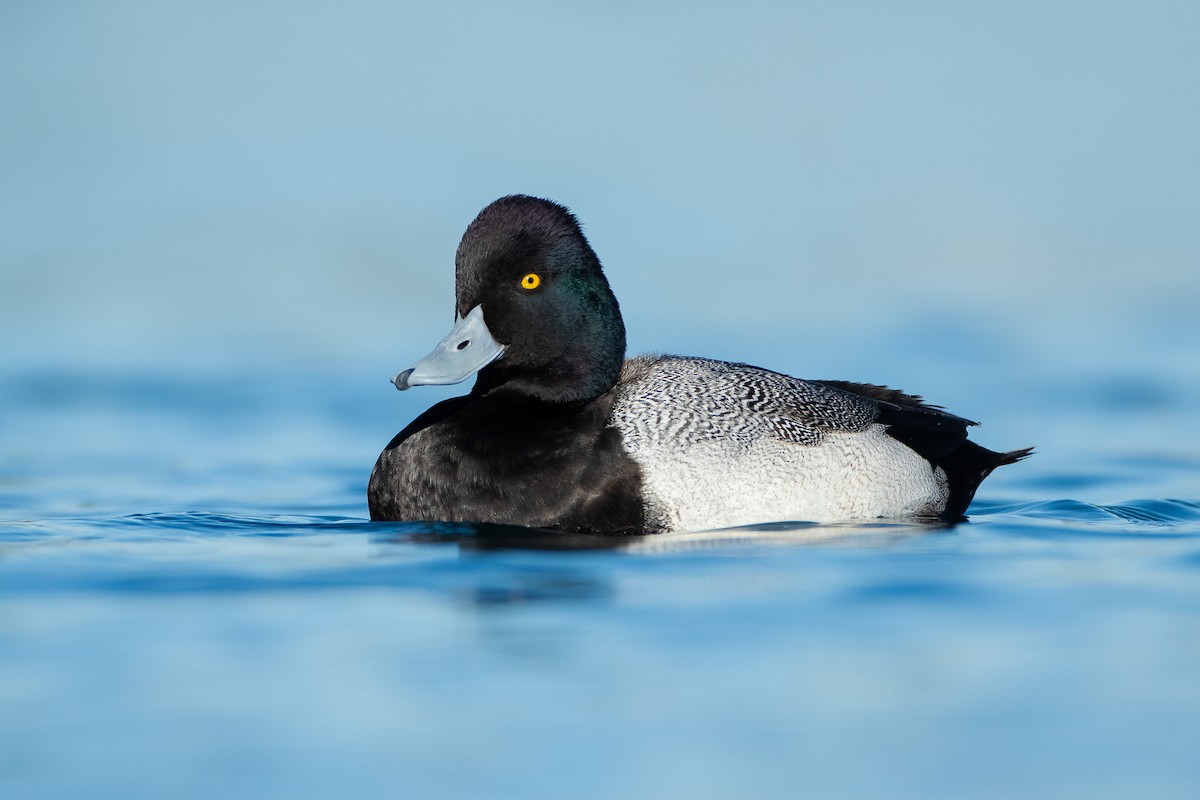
561	431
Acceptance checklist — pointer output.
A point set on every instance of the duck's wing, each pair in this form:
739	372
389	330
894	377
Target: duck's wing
688	400
876	392
903	410
669	404
805	411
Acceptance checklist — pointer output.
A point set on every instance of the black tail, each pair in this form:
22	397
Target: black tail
966	467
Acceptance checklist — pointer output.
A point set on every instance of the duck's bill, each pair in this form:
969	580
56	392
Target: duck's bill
468	348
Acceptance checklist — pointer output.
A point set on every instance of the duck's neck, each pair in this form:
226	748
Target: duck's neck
573	382
589	367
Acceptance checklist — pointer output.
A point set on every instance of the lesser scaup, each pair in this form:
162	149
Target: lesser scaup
561	431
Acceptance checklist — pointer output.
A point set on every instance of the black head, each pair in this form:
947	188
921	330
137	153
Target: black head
526	262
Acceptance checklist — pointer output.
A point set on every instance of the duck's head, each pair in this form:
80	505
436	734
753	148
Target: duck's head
534	314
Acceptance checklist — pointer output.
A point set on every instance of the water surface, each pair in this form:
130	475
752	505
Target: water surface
193	604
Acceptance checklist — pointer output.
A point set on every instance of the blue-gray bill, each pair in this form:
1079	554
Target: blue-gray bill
468	348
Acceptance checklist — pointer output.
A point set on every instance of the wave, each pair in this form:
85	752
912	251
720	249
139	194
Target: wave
1142	517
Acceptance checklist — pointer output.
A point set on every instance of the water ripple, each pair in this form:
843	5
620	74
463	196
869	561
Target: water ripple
1137	518
1182	515
246	525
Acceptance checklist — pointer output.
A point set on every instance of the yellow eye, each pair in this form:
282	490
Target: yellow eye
531	281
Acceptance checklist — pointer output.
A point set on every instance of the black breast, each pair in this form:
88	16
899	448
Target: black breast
502	460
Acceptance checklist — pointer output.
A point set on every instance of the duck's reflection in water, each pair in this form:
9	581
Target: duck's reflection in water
479	537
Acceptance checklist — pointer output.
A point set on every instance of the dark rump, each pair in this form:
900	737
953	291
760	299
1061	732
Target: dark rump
966	466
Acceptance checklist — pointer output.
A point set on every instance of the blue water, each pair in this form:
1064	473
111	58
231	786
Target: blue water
224	227
193	604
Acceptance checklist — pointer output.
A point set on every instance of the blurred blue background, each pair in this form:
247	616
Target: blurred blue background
286	182
224	226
